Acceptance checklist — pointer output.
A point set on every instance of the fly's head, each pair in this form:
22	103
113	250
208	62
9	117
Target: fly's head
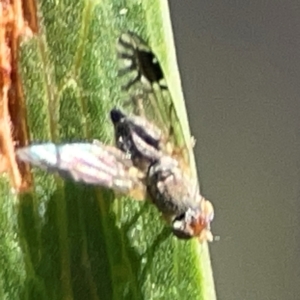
195	223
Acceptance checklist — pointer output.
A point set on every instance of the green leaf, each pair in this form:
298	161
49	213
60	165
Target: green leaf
68	241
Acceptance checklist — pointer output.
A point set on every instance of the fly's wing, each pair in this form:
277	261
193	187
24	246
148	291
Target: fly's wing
145	82
90	163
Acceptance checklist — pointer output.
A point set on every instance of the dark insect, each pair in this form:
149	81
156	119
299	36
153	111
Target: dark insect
140	60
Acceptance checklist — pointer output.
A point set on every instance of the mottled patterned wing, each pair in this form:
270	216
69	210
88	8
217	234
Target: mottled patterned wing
145	82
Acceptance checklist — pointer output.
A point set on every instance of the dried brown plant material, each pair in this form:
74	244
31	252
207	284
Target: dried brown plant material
13	126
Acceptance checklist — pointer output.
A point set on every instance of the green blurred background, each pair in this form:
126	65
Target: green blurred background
240	68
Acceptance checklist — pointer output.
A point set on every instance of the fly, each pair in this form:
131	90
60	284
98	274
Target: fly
168	186
169	183
140	167
148	159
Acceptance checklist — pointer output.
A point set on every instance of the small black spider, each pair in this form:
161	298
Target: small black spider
139	59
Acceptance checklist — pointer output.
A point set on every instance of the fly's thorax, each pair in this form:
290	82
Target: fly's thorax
168	187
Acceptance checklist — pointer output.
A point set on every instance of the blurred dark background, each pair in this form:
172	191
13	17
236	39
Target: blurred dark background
240	69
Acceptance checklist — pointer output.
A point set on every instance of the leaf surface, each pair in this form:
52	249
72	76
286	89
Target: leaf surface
69	241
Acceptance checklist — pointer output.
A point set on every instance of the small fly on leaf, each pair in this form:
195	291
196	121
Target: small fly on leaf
168	180
170	189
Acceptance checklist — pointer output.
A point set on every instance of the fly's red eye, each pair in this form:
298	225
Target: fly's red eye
198	225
